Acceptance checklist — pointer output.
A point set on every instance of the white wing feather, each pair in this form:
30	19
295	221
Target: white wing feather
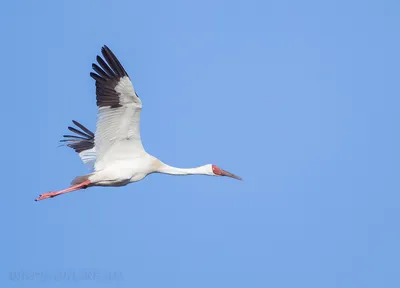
88	157
117	134
118	129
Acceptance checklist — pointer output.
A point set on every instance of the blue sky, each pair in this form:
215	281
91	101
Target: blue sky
300	98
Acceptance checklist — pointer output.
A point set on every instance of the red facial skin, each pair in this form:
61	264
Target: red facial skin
216	170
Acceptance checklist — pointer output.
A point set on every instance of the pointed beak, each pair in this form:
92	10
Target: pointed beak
226	173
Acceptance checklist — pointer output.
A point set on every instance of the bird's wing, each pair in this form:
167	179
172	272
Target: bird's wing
118	119
82	142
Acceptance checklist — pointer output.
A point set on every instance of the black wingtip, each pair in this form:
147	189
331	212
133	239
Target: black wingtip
105	47
82	139
84	129
113	61
96	77
107	75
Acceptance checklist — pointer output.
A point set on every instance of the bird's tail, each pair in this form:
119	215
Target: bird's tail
80	179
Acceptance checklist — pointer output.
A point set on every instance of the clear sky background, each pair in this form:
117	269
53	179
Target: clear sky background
300	98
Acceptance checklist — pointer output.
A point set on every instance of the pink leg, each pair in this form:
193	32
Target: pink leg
47	195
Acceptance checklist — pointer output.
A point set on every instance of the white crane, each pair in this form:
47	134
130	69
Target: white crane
115	152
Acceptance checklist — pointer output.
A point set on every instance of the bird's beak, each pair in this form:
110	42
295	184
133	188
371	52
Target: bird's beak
228	174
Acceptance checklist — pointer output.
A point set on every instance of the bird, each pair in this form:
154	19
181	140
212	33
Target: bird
114	153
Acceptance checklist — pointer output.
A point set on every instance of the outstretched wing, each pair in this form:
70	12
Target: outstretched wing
82	142
118	120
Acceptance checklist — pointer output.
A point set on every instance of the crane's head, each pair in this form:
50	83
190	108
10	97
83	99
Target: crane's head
220	172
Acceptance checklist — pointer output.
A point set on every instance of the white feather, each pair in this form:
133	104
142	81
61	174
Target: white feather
88	157
117	134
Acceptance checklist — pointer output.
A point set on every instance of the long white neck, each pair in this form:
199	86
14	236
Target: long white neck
201	170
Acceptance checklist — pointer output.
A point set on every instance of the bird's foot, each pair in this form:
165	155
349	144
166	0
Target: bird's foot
47	196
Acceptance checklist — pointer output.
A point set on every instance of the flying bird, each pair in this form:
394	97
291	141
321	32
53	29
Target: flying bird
115	153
